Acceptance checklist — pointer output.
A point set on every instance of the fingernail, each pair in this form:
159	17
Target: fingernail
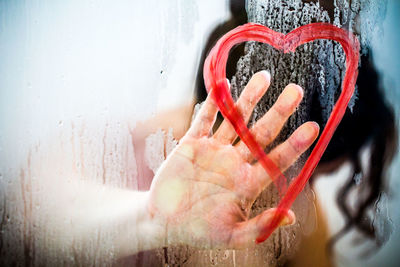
295	91
287	221
309	131
266	74
228	82
290	97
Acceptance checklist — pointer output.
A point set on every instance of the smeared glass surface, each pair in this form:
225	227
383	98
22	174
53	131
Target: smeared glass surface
60	82
75	78
382	223
319	68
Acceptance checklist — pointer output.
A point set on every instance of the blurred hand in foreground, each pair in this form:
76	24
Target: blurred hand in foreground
202	194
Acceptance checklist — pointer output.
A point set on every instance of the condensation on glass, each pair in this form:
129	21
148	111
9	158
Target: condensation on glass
317	66
51	80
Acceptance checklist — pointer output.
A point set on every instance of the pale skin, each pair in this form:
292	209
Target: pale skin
203	192
200	196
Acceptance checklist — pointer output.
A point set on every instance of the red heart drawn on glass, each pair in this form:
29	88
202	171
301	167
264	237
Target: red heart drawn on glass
215	81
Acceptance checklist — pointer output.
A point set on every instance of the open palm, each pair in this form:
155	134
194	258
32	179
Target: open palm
204	191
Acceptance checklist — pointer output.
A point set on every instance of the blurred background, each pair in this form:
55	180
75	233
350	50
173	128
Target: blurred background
387	61
89	70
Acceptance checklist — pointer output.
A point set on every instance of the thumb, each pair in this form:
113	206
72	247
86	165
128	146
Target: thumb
247	232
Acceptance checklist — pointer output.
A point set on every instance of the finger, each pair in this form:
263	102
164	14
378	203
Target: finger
248	99
247	232
205	119
268	127
289	151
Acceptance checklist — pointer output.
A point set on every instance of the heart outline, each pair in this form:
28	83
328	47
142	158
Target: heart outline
216	83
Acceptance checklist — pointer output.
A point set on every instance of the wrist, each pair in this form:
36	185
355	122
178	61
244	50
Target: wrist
140	230
152	229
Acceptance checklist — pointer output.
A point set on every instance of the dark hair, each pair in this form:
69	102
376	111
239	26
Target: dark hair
371	122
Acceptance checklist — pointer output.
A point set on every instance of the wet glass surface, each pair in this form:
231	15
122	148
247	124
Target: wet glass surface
77	77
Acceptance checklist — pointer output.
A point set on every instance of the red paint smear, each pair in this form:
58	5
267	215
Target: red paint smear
215	79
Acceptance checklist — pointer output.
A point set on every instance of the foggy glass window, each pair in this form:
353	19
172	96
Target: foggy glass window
94	96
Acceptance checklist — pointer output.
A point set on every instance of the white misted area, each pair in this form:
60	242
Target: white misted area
75	77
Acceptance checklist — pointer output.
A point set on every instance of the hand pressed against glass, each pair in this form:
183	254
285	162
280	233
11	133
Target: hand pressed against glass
203	192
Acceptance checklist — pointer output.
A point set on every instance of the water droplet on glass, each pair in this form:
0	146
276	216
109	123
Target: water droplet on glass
357	178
